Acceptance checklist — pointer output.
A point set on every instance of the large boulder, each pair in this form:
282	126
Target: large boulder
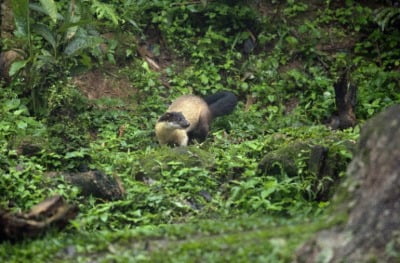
371	199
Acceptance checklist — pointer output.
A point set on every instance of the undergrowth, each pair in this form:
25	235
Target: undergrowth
216	204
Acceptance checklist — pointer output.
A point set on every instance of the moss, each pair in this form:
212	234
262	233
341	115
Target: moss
319	160
163	158
283	160
30	145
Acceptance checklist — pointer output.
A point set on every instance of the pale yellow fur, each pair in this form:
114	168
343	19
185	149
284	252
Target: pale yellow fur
166	134
193	108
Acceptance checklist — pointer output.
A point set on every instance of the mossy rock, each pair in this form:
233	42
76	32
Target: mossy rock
93	183
29	145
163	158
283	160
322	163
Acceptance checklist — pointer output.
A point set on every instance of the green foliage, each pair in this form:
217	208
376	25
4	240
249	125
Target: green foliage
15	124
294	8
56	43
385	87
215	190
387	16
50	8
15	119
103	10
21	182
20	10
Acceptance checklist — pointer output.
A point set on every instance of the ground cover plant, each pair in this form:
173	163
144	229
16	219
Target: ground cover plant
92	77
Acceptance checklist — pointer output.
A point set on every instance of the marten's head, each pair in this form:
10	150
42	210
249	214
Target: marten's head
174	120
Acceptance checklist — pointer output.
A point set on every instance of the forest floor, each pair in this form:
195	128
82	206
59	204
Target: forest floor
264	180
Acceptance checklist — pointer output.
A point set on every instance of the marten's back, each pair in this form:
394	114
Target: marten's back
192	107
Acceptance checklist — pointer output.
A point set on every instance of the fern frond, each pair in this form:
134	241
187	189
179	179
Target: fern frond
107	11
387	16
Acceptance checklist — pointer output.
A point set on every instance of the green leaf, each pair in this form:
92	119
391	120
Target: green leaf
267	192
51	9
204	79
81	43
192	8
40	9
105	11
74	16
80	153
18	112
244	86
12	104
22	124
21	16
292	40
271	98
145	65
17	66
134	24
104	217
46	33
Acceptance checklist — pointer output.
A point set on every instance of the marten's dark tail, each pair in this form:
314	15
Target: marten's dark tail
221	103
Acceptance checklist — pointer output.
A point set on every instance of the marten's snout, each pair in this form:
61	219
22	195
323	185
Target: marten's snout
185	124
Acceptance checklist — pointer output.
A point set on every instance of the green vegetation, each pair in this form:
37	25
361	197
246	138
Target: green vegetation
207	202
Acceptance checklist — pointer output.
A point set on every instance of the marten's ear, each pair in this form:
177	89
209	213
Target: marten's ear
166	116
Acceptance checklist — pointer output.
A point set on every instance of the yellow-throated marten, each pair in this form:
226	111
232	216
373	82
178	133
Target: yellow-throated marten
189	117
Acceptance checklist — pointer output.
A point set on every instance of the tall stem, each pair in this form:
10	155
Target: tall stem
29	79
